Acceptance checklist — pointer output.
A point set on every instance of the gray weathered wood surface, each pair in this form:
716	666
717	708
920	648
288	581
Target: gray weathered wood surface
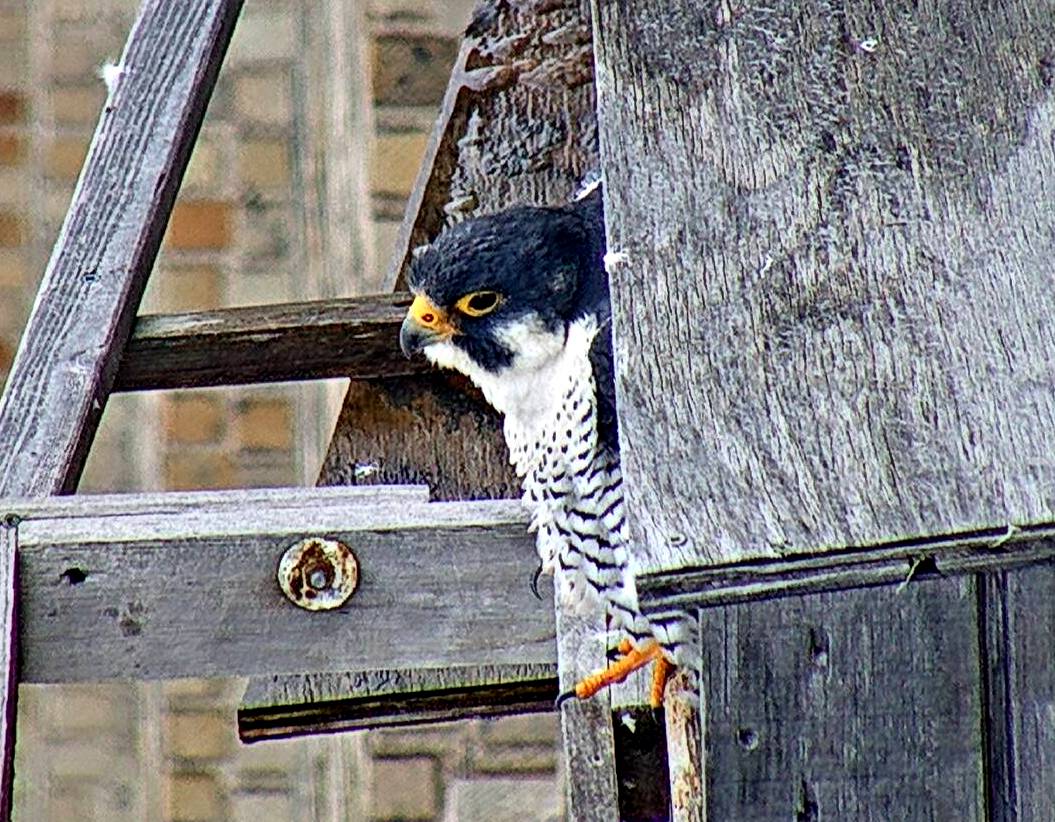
591	790
9	664
284	705
517	125
862	705
356	338
683	714
844	219
162	595
1027	671
896	564
87	301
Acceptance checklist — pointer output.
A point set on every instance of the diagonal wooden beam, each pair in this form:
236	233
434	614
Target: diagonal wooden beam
91	289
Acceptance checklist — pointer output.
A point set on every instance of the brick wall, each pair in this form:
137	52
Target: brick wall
245	230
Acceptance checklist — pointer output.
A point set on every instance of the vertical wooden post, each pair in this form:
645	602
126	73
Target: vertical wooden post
586	725
683	710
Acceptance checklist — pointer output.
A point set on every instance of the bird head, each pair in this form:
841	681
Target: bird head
499	292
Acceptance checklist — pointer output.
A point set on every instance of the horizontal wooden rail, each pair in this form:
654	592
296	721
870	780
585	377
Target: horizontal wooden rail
356	338
140	588
283	706
893	564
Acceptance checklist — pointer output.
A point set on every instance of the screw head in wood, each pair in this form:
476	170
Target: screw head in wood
318	574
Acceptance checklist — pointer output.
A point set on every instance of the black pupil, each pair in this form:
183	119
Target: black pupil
483	301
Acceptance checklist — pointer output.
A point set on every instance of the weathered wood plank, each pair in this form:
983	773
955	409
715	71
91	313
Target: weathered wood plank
684	714
896	564
850	706
441	584
592	791
9	665
87	301
355	338
283	706
131	517
1030	677
809	207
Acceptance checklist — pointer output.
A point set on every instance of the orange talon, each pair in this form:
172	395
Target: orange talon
661	672
634	659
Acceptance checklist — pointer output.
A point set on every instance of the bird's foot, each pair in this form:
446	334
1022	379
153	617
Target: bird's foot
634	658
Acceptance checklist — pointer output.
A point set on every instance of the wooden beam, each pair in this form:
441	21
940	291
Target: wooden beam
163	595
9	667
91	289
897	564
283	706
805	208
357	338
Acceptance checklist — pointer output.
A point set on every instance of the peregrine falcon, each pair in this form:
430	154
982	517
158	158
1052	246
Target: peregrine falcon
518	302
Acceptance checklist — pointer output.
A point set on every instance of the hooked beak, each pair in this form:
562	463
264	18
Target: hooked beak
424	324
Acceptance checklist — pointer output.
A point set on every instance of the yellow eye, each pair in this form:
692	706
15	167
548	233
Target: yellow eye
479	303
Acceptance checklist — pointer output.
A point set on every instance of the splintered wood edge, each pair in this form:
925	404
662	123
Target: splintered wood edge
284	706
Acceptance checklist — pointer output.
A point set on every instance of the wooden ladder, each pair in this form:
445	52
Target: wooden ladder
83	341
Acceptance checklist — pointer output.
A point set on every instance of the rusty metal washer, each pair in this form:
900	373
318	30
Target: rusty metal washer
318	574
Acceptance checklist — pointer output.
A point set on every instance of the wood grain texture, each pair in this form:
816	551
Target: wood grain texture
517	123
862	705
356	338
9	662
837	219
895	564
87	301
433	429
591	789
441	584
1030	705
283	706
685	760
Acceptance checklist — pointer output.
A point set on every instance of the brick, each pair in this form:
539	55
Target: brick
405	789
12	107
187	288
396	160
77	105
64	157
93	711
11	231
189	693
266	231
264	98
12	28
13	272
7	356
507	759
199	736
263	807
193	419
260	288
191	470
502	800
199	225
264	424
205	172
77	60
412	69
262	35
528	728
12	149
264	164
195	797
14	186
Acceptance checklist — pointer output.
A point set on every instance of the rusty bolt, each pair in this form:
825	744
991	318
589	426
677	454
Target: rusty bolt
318	574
